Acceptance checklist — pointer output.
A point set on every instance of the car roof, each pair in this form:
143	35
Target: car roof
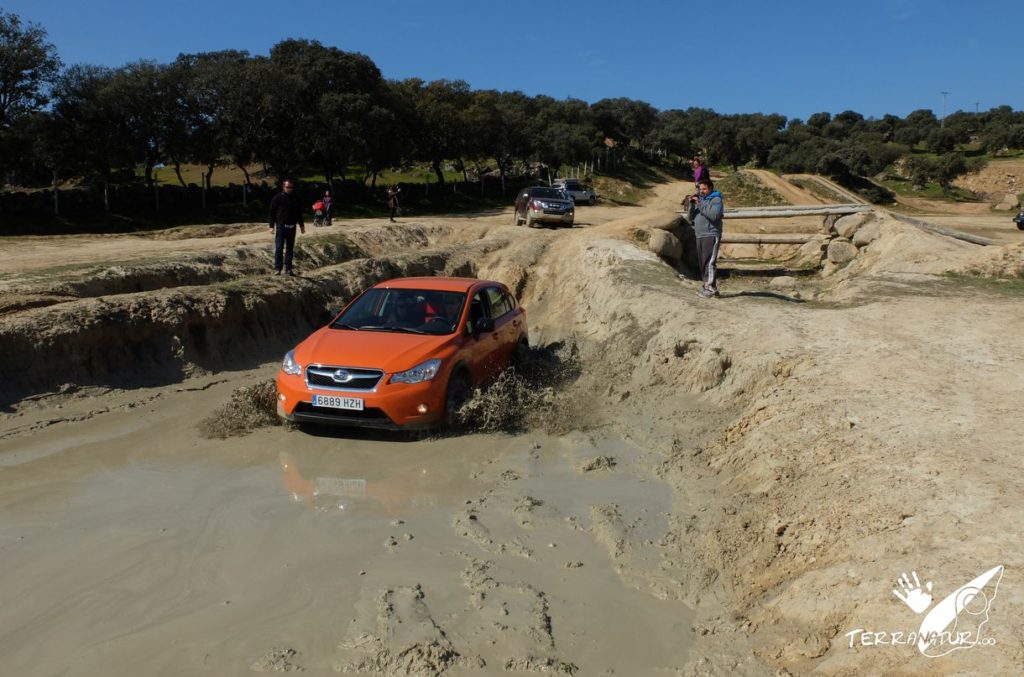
458	284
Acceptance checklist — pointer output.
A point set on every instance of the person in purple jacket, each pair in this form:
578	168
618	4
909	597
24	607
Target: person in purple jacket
700	171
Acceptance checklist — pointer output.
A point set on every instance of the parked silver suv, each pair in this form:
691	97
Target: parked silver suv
576	190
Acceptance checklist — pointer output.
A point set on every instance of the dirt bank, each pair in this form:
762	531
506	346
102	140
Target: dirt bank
736	485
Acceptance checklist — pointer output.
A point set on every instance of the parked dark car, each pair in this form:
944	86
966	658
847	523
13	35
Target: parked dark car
576	190
541	204
1019	220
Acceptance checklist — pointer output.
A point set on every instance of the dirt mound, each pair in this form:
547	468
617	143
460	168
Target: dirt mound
807	423
901	254
250	408
1003	263
996	179
205	268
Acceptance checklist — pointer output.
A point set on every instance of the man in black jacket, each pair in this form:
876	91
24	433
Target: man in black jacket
285	215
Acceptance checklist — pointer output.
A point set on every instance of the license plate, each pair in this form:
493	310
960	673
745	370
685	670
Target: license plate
339	486
335	402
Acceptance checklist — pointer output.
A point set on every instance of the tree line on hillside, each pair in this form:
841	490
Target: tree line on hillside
307	107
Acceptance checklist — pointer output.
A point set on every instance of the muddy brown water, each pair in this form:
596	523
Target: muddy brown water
143	541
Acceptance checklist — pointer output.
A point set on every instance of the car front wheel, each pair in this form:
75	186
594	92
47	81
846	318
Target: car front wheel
456	396
520	356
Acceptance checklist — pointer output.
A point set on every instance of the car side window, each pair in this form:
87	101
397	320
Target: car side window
477	309
498	302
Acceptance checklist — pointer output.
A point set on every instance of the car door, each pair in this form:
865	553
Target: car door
481	345
506	325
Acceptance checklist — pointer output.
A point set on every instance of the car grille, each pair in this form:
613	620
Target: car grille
342	378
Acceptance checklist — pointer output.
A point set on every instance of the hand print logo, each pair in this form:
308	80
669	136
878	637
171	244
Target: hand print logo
913	595
958	620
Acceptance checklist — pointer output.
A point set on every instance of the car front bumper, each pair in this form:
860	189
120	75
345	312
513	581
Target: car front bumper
390	406
549	216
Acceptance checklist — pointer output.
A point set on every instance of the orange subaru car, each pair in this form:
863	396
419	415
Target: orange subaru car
405	354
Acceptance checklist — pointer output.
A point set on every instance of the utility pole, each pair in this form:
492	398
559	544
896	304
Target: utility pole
942	123
976	107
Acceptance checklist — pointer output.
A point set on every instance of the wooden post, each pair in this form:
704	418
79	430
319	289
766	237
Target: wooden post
763	239
56	195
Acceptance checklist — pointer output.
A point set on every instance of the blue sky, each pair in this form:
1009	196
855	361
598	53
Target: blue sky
734	56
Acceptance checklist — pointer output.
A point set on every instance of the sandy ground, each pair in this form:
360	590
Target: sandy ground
727	486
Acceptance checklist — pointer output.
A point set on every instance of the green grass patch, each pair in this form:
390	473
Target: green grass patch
743	190
932	191
818	190
1009	286
631	181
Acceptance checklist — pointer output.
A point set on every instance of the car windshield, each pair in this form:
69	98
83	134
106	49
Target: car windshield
413	311
548	193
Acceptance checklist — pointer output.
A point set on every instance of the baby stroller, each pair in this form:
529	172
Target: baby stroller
319	214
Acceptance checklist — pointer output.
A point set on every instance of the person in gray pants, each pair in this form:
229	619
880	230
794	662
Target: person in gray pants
705	213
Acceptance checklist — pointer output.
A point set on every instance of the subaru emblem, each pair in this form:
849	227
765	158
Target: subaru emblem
341	376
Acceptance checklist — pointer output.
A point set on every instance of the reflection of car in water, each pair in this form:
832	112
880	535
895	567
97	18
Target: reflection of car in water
1019	220
403	490
405	354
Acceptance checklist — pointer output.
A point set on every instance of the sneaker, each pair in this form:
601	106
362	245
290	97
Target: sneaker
706	293
277	272
290	273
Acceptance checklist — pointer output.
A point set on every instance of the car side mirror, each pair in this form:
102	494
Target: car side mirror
484	325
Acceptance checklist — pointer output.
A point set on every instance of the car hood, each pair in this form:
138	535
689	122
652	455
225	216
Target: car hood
390	351
553	201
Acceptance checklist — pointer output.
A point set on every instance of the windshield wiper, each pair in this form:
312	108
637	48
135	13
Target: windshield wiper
380	327
342	325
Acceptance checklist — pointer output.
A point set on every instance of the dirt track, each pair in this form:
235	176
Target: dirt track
718	487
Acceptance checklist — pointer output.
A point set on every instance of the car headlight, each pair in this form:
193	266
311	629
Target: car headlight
419	373
289	365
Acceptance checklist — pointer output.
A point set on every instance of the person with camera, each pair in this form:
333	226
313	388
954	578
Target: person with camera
393	192
705	211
